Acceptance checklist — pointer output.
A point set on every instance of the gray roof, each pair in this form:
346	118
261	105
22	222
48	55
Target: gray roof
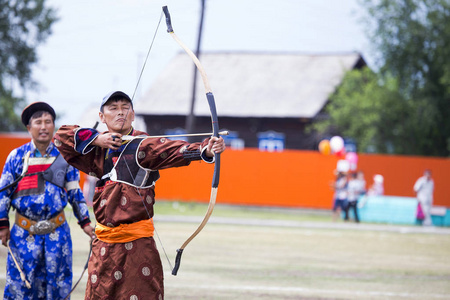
249	84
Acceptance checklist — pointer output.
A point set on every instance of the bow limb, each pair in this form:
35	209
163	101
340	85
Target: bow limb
215	127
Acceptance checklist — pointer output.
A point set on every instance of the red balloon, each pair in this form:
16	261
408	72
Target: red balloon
341	153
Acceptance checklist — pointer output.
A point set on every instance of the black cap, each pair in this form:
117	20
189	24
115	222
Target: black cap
34	107
115	94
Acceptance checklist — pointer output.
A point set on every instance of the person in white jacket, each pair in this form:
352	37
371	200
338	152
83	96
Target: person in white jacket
424	188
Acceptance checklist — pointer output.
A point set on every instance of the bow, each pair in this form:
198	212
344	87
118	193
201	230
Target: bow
82	273
215	127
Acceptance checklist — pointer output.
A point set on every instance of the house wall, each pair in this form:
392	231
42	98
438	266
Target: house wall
247	128
291	178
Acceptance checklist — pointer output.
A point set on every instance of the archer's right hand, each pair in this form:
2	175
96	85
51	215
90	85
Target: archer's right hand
109	140
4	236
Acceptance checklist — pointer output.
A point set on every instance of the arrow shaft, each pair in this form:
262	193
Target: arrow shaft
130	137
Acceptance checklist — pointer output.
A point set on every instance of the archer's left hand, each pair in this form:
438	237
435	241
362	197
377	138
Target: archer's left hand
215	145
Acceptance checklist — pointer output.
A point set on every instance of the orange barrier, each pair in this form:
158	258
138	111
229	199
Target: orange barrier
296	178
251	177
401	172
11	141
292	178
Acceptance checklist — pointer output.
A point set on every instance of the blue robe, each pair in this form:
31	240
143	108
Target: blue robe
46	259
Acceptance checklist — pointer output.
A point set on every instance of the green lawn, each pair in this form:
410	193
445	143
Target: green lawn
261	261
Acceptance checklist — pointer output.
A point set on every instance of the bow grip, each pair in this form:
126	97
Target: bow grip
168	20
177	262
215	126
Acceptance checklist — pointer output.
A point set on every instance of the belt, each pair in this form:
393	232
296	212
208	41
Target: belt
125	233
40	227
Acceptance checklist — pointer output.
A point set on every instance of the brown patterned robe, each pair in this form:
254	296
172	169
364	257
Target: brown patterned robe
130	270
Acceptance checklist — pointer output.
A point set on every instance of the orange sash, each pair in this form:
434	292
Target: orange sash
125	233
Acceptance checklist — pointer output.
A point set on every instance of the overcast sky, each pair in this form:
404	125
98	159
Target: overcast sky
100	46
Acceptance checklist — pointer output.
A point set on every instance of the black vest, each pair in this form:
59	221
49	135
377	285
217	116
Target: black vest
126	169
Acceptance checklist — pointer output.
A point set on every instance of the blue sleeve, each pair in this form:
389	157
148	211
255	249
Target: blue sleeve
76	197
11	170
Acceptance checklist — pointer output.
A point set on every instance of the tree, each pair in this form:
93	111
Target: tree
24	25
409	95
369	111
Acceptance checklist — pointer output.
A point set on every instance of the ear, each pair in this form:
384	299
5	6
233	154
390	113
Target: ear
102	117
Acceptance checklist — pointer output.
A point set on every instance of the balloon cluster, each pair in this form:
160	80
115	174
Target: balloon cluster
336	146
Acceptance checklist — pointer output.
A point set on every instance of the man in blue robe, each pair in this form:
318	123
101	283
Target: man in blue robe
38	183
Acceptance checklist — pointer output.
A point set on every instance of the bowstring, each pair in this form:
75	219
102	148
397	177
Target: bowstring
132	98
143	66
138	190
146	58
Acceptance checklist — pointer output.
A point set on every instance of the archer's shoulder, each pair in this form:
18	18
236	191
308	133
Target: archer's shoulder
138	133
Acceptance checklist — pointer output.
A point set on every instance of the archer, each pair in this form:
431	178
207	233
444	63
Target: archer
125	261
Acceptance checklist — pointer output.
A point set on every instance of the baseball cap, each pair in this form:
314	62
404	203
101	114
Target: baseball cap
115	94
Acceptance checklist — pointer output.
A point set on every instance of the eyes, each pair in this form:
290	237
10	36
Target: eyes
39	122
116	107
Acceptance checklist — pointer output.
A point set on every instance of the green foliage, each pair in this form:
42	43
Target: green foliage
404	108
413	37
370	111
9	116
24	25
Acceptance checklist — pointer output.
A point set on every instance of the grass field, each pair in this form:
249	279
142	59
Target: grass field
260	253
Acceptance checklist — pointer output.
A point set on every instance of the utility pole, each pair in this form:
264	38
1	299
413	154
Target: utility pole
190	120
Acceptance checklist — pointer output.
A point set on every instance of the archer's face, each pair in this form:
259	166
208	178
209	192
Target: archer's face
41	129
118	116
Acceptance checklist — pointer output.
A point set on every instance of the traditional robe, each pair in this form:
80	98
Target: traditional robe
130	270
46	259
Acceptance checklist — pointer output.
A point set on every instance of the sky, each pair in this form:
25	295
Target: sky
100	46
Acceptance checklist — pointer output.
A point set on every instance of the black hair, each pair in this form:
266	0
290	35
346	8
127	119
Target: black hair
39	114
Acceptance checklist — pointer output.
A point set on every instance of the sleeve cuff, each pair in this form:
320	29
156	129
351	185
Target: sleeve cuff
4	223
83	139
205	158
85	223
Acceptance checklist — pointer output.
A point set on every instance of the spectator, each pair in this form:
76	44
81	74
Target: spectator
340	195
356	188
377	188
424	188
40	236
